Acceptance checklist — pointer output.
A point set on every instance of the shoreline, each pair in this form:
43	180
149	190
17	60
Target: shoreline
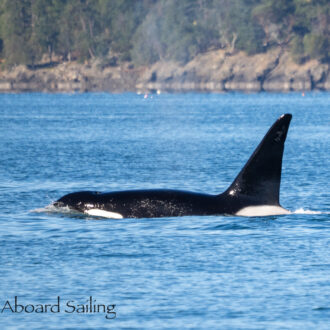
215	71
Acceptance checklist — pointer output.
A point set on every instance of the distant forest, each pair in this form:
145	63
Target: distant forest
145	31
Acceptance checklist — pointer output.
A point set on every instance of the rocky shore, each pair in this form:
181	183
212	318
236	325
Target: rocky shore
215	71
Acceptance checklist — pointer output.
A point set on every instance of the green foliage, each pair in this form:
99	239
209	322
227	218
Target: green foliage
146	31
316	46
248	33
1	41
120	20
311	30
175	30
297	49
45	25
276	19
16	31
275	10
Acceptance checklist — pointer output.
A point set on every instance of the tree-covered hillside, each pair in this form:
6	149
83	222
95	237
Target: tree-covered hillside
145	31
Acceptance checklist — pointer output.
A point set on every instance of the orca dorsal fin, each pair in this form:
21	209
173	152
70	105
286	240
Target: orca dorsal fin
260	178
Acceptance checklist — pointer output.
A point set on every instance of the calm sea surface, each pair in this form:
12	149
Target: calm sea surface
212	272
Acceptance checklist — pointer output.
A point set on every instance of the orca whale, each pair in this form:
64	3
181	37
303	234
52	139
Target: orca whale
254	192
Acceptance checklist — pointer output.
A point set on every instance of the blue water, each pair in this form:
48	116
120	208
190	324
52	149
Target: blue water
212	272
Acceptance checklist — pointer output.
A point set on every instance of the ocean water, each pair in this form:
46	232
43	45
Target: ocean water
214	272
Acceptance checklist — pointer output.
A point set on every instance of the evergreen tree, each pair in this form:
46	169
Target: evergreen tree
16	31
45	27
149	30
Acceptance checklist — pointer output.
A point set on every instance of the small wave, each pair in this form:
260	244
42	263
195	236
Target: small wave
51	208
303	211
230	226
321	309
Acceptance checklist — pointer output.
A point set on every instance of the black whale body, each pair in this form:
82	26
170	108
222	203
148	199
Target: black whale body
257	185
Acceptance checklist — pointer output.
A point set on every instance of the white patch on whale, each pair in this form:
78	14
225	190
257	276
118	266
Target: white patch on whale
103	214
261	211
